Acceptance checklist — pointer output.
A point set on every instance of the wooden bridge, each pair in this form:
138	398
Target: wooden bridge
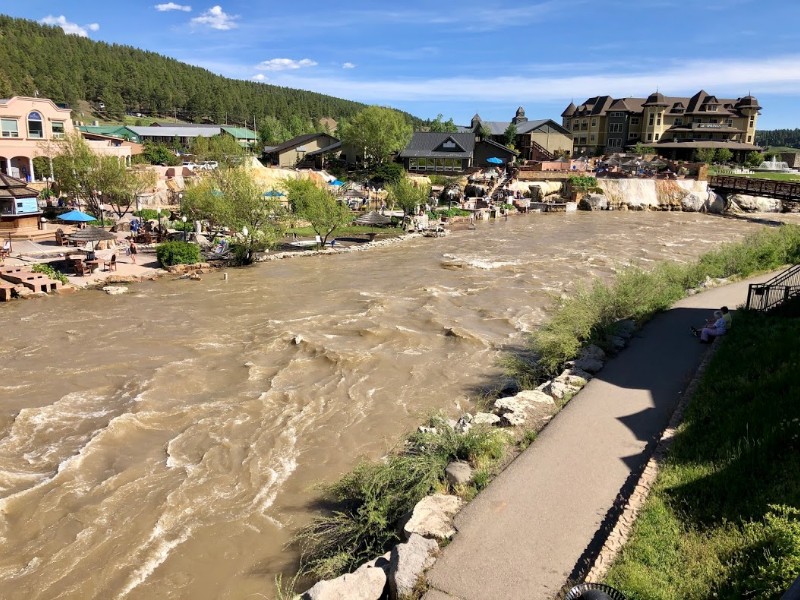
782	190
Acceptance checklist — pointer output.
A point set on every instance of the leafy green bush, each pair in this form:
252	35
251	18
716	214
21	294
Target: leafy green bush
150	214
453	212
50	272
178	253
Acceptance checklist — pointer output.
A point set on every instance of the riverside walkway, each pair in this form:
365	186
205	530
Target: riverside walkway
532	528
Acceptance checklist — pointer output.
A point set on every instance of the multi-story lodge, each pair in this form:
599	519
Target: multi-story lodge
540	139
675	126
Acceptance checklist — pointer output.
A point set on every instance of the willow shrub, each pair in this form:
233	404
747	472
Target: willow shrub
177	253
368	505
591	315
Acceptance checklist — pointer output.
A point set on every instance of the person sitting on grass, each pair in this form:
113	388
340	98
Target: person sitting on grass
714	328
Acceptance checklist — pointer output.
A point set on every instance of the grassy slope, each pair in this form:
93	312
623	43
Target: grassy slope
710	527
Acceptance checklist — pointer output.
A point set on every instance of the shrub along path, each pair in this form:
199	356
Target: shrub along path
525	535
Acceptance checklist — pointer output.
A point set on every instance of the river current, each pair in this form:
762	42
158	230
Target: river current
167	443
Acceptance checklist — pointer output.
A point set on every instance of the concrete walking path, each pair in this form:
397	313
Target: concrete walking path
523	536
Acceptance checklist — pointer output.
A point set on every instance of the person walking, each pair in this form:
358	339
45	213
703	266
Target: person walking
132	250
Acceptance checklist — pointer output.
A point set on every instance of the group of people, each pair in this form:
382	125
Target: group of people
719	325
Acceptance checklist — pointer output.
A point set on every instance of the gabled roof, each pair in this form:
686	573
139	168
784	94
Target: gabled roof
325	150
627	105
181	131
240	133
499	146
298	141
433	144
11	187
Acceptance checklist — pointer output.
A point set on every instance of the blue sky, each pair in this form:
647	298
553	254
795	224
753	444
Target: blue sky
461	57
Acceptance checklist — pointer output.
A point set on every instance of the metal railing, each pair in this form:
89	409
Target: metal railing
776	291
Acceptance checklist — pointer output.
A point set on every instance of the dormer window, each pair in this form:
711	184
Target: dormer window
449	145
35	125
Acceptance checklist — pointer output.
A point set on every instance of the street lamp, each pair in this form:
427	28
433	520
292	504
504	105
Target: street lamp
100	207
183	218
180	200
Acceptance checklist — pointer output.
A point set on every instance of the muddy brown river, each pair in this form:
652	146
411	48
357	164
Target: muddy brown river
166	443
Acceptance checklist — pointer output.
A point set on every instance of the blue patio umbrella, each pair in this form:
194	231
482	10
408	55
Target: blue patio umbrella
337	183
273	194
76	216
495	161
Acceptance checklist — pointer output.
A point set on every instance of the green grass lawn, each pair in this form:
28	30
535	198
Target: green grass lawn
723	520
775	176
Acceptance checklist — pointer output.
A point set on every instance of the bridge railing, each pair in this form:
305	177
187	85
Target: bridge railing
776	291
783	190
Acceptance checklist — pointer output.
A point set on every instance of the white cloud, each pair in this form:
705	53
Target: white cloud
348	65
285	64
722	77
259	77
173	6
70	28
216	18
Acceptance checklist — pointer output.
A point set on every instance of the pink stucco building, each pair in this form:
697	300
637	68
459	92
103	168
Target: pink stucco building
29	126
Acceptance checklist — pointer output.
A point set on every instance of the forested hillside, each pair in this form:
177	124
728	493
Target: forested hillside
69	68
779	137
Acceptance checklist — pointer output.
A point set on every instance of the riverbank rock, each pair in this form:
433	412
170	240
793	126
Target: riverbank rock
593	202
364	584
559	389
433	517
115	290
464	423
407	564
483	418
694	202
458	473
749	203
574	377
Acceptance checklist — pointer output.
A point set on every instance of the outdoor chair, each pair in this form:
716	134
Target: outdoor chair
81	270
111	265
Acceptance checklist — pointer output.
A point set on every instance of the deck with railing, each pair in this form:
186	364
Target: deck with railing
776	291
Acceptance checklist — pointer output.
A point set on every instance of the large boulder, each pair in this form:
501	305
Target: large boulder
755	203
694	202
433	517
407	564
364	584
593	202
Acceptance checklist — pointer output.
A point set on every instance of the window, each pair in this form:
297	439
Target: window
658	121
634	120
594	122
712	120
749	139
592	138
35	125
614	143
657	135
58	129
566	123
631	135
582	140
649	137
652	120
10	128
678	121
615	128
